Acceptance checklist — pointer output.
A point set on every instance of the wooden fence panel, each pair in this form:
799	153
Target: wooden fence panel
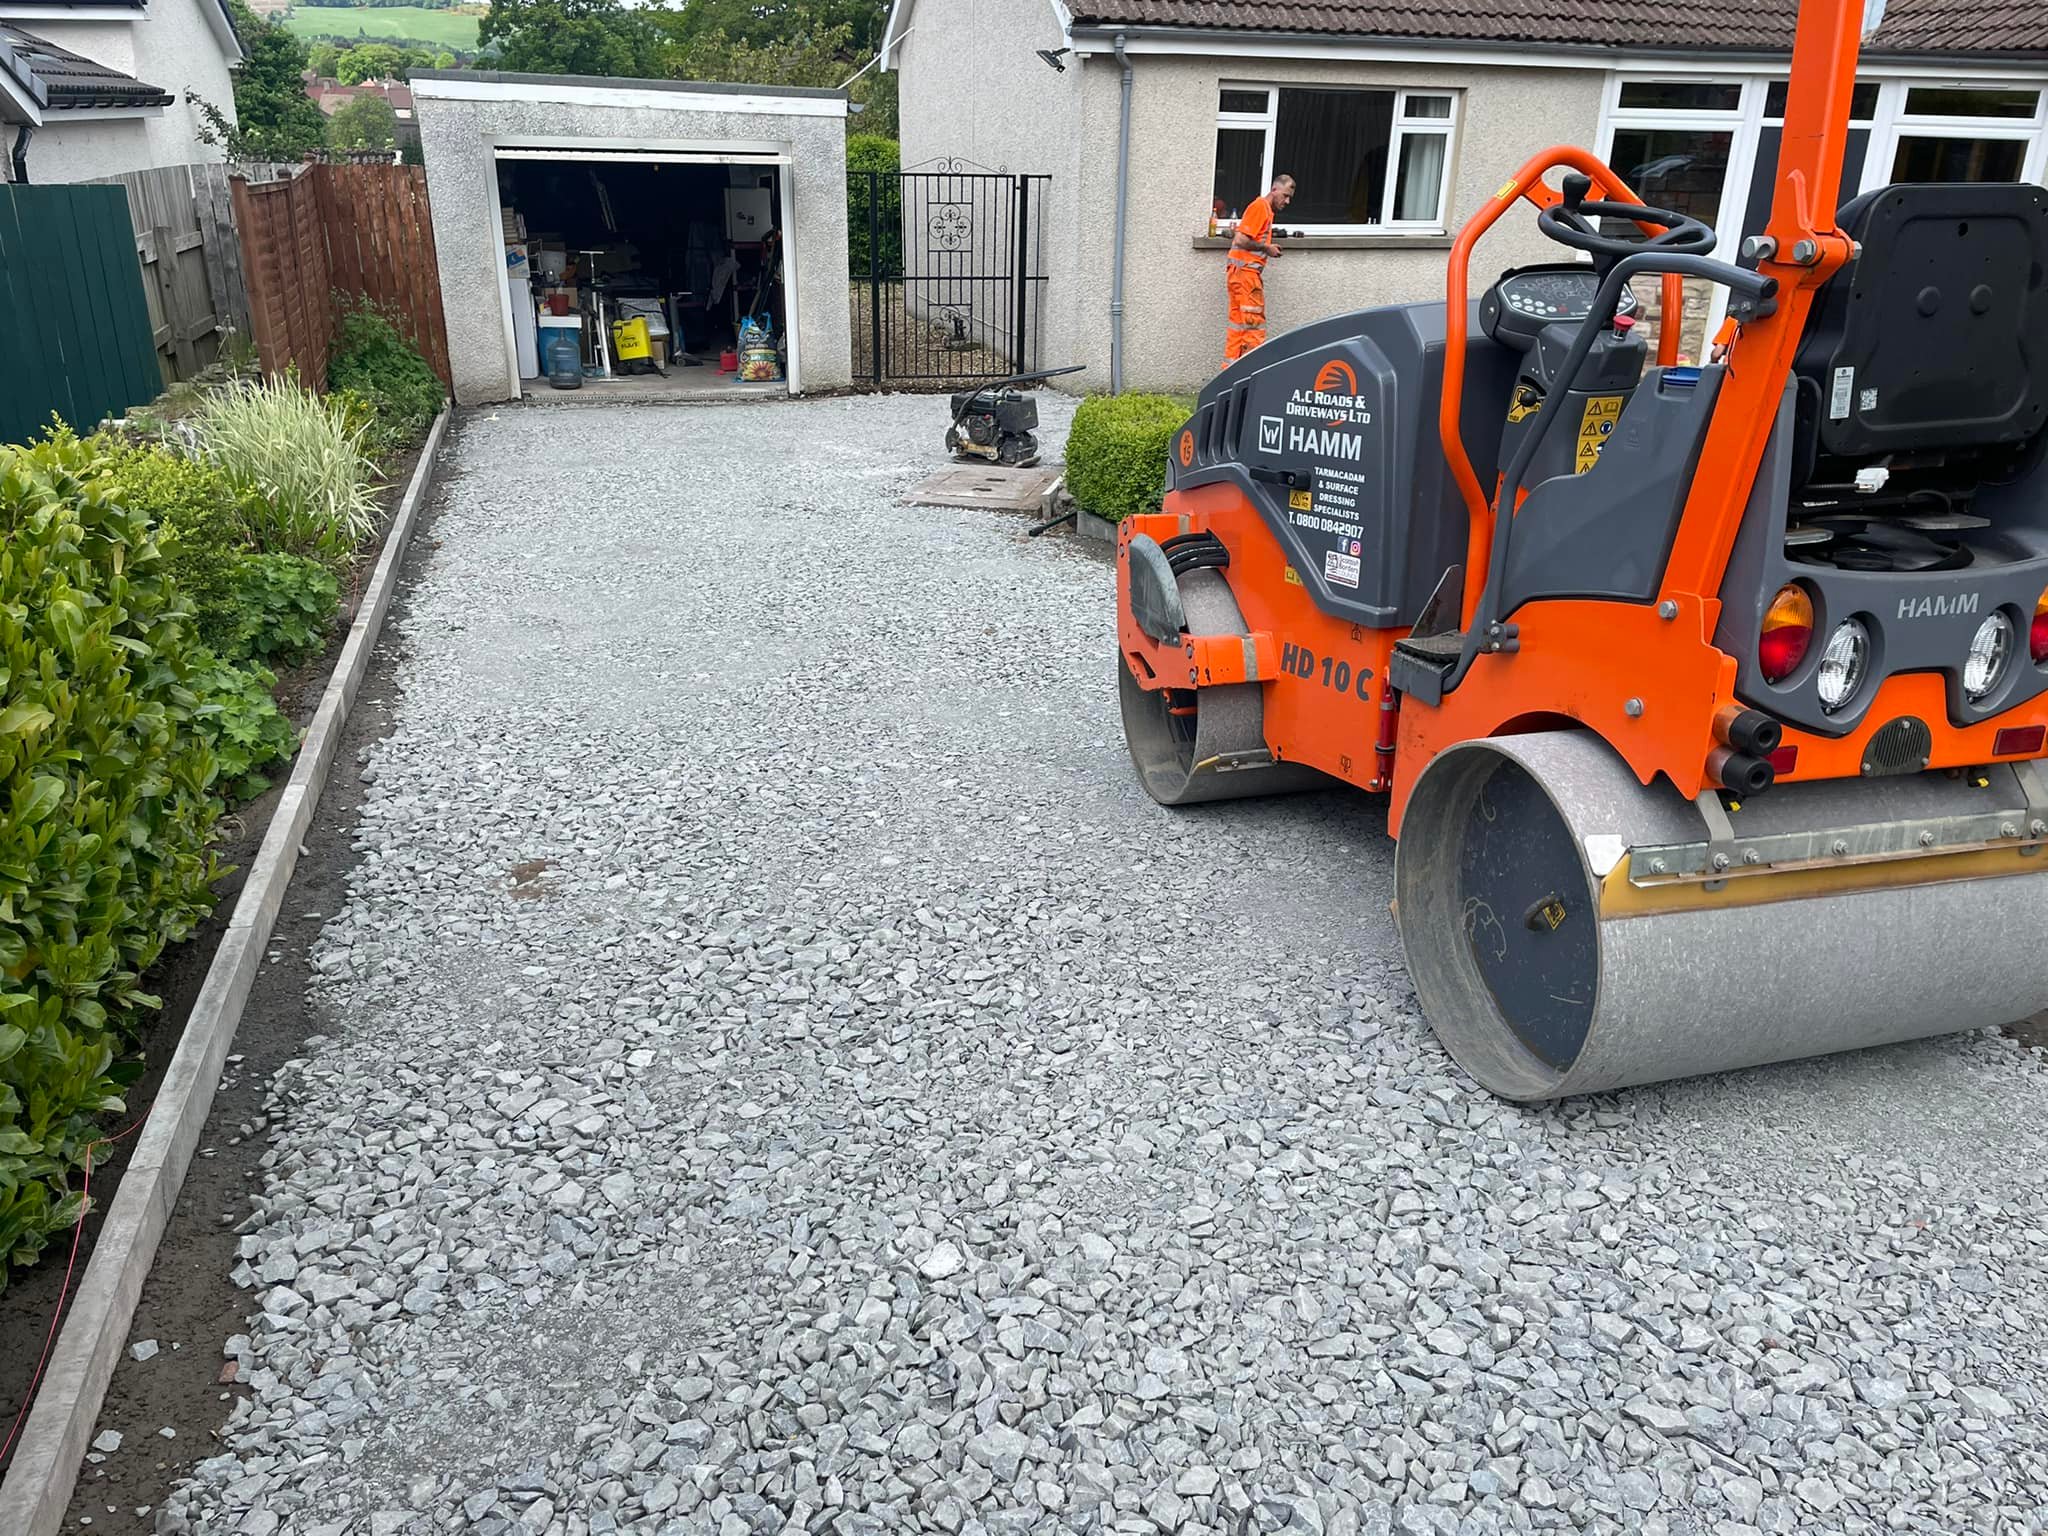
382	241
78	342
331	233
171	243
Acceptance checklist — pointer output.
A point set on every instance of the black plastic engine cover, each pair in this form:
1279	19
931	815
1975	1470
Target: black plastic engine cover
1331	432
1008	412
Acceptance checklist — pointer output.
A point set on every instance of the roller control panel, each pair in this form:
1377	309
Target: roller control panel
1525	300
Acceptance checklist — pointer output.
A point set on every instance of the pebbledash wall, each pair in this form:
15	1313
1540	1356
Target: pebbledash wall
972	89
184	46
466	116
1174	294
1013	112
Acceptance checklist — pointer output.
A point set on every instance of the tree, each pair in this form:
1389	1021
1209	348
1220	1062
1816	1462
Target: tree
815	60
365	123
783	42
760	23
371	61
276	119
444	60
323	59
570	37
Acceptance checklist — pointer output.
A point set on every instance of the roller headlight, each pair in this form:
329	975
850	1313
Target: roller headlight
1843	664
1990	651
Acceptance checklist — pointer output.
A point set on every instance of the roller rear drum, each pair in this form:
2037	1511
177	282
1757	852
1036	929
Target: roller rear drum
1191	745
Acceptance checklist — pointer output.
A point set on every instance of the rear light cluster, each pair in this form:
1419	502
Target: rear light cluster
1787	634
1786	640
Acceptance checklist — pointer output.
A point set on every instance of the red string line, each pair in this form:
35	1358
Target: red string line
64	1292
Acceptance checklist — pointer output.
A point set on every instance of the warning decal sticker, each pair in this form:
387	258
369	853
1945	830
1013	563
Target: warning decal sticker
1602	411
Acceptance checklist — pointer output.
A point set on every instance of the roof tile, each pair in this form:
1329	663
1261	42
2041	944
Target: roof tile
1910	26
74	82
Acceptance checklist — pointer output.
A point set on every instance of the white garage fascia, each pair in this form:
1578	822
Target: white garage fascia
634	152
682	98
688	151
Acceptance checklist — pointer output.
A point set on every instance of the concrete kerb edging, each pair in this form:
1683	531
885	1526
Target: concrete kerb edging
38	1489
1089	526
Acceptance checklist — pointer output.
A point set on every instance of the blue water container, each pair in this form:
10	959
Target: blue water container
561	356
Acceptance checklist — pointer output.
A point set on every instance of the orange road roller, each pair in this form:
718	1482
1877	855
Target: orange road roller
1709	702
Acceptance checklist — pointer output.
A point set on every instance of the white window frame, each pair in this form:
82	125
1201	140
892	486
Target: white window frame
1404	125
1888	124
1893	123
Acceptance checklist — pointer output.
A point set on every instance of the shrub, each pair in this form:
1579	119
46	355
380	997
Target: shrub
237	715
373	360
299	467
198	525
1116	452
871	152
283	605
105	813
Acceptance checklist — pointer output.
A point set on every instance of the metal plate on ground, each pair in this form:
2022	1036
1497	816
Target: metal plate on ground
969	485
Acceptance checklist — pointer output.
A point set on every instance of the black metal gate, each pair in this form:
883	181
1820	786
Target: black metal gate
948	272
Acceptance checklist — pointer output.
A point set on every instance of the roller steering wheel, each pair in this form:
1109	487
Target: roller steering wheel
1572	223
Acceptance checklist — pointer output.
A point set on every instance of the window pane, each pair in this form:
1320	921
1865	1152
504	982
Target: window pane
1682	169
1927	159
1243	101
1862	100
1240	162
1428	106
1763	184
1677	168
1971	101
1681	95
1419	183
1334	144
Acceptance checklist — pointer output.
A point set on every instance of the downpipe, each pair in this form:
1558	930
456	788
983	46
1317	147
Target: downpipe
1123	194
20	156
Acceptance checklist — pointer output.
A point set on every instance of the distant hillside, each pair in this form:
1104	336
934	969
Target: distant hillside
453	30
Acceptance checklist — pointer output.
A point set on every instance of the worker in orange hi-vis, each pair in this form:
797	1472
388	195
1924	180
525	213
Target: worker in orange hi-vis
1252	246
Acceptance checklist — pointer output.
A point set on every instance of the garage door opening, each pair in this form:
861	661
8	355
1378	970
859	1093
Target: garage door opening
648	275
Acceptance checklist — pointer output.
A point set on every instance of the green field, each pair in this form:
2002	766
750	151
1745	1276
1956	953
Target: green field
445	29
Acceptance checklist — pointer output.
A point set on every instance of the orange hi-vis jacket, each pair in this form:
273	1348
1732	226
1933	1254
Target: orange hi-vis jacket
1245	274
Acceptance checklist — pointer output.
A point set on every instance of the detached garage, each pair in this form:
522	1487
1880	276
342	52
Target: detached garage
636	238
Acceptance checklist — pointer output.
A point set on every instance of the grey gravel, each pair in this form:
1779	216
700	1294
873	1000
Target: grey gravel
778	1074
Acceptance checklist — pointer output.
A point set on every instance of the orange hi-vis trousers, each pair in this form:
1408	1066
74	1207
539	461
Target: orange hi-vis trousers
1247	327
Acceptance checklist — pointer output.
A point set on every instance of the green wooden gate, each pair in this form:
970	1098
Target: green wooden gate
75	336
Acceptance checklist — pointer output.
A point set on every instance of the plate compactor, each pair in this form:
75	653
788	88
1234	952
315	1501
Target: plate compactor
1710	702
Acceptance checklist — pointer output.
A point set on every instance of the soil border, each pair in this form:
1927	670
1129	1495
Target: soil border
37	1491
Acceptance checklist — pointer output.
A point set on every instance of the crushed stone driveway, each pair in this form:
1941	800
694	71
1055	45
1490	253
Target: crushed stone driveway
781	1075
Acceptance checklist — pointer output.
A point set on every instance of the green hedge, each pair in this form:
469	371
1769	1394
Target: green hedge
867	152
106	813
1116	451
